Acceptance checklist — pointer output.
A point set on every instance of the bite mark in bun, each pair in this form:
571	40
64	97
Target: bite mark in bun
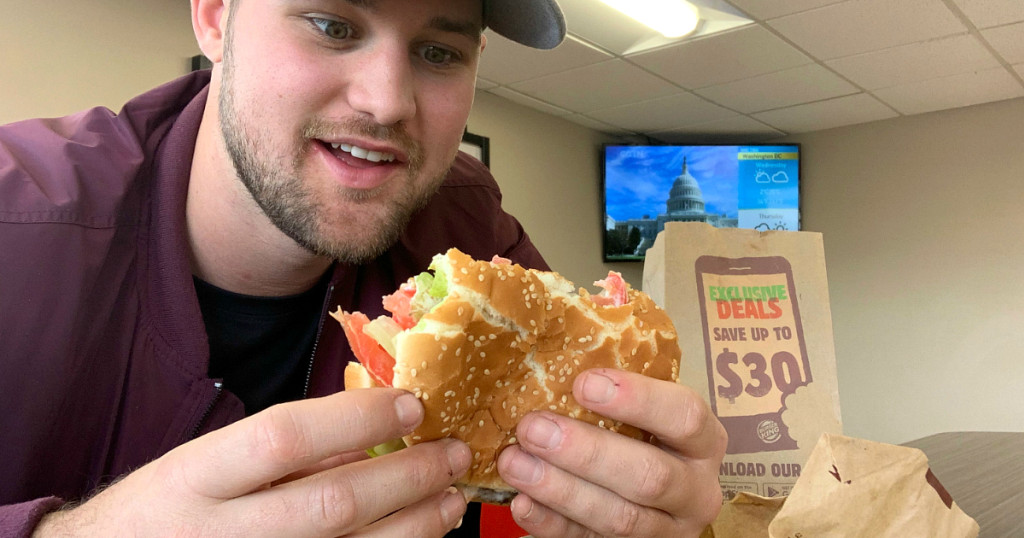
482	344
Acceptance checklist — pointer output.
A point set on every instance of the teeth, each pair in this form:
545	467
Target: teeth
361	153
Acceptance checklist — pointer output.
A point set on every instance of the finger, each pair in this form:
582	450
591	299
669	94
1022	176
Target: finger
344	499
329	463
674	413
587	504
286	438
637	471
543	522
433	516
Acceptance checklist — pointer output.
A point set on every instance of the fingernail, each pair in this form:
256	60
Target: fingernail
452	508
524	467
523	506
458	457
409	410
544	433
598	388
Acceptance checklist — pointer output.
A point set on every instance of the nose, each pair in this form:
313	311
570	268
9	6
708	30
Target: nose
383	84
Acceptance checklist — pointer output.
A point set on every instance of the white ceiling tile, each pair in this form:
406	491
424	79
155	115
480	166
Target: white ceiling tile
526	100
848	110
1019	68
914	62
720	58
987	13
591	123
1008	41
858	26
952	92
770	9
662	113
504	61
777	90
738	129
595	87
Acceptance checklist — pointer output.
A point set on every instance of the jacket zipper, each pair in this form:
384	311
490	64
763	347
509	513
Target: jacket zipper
316	341
217	389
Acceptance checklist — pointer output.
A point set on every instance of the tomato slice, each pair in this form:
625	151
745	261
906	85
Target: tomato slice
616	290
371	355
400	305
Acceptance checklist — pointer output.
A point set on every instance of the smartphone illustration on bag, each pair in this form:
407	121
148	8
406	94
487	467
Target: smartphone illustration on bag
754	344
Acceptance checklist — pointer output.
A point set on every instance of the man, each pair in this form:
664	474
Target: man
166	272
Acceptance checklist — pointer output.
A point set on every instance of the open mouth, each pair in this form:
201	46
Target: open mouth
362	153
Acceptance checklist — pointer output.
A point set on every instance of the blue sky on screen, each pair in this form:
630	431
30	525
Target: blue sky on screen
638	178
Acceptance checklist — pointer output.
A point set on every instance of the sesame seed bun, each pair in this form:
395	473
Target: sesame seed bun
508	340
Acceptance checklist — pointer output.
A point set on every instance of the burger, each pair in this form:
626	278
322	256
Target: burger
483	343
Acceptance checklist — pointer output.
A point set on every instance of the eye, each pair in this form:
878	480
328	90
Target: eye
332	28
440	56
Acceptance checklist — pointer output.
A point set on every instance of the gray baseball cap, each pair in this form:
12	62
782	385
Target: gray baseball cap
534	23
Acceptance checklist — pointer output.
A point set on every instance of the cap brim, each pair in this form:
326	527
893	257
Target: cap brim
534	23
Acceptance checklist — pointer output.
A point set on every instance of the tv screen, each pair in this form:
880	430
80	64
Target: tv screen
753	186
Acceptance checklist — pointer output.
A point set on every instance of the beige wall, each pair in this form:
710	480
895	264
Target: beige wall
923	221
923	226
921	215
58	57
550	174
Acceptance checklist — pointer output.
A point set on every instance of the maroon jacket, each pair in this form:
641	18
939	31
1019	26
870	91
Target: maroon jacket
103	352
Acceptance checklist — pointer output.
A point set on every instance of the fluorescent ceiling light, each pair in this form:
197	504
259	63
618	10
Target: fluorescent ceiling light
671	18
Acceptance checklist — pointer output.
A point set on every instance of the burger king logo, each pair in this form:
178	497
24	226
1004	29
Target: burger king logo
768	431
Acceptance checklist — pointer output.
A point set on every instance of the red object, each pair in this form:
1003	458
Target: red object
497	522
400	305
616	291
371	355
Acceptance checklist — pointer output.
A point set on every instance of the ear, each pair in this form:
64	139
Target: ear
483	42
209	20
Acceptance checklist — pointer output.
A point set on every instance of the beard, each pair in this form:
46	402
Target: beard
347	225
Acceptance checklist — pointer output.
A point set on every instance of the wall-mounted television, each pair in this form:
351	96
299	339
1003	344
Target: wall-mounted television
726	186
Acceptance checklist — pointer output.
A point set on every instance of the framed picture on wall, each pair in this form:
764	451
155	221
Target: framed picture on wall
477	146
199	61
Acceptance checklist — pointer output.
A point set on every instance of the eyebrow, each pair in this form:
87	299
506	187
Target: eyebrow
469	29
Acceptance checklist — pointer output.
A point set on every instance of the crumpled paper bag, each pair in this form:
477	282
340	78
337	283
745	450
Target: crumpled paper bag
853	487
745	516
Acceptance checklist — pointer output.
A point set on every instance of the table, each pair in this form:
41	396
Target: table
984	472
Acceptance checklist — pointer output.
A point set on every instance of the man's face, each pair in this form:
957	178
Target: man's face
343	116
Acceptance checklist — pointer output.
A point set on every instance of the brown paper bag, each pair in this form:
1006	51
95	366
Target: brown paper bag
852	487
755	326
745	516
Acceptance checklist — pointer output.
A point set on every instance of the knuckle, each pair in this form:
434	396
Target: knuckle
655	481
333	505
627	521
277	436
696	418
591	455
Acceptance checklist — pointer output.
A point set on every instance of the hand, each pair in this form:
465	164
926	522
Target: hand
292	470
578	480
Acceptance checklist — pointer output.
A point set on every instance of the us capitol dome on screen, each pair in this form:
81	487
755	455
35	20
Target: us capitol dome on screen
685	204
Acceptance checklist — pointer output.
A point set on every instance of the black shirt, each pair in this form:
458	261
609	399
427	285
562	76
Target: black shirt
261	347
